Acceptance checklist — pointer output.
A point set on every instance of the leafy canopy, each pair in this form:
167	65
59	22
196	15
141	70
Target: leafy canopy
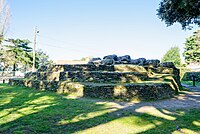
185	12
42	59
19	55
172	55
20	51
192	48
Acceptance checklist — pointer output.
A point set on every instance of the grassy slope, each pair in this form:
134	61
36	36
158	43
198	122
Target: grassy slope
24	110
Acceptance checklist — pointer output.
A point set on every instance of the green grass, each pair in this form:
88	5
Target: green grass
190	83
25	110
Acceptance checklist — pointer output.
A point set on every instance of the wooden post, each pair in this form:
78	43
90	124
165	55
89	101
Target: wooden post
34	49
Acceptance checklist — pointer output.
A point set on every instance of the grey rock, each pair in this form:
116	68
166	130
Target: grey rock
28	75
114	57
140	61
154	63
168	64
43	68
95	61
108	62
118	62
134	61
124	59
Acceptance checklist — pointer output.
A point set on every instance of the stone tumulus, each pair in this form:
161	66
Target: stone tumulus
112	77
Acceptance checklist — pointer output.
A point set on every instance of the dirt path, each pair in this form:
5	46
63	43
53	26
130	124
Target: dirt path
186	100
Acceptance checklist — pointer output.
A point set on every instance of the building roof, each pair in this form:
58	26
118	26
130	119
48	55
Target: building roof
71	62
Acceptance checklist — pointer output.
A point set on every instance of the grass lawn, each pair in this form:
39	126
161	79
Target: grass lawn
25	110
190	83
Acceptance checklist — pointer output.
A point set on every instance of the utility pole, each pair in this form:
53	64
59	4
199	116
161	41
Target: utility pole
34	49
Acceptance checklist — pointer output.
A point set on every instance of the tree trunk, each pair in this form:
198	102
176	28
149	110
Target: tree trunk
25	68
14	69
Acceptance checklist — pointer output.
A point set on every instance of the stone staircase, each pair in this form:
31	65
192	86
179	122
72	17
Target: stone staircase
124	82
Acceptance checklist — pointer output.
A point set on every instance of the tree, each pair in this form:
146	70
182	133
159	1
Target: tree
192	48
42	59
185	12
19	53
4	18
4	22
172	55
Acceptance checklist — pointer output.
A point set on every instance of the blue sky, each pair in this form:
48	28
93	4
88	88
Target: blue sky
72	29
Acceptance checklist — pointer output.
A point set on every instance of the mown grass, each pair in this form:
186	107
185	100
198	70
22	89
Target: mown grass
25	110
190	83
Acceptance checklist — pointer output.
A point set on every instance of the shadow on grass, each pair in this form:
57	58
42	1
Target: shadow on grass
24	110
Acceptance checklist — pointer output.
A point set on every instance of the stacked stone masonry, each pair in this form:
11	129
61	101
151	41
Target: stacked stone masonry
119	81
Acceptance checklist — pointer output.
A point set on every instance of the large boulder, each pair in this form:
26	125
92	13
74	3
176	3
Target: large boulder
124	59
43	68
154	63
114	57
108	62
134	61
140	61
167	64
95	61
119	62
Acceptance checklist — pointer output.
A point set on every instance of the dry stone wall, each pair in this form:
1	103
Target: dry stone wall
132	79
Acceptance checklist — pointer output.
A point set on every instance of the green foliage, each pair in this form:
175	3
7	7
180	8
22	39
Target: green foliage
42	59
188	76
20	51
185	12
192	48
172	55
